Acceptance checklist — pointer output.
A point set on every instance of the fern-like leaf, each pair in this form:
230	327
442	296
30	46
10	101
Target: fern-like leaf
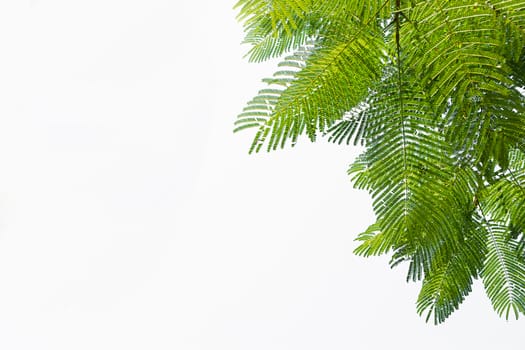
503	273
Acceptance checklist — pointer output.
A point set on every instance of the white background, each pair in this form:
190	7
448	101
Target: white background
131	217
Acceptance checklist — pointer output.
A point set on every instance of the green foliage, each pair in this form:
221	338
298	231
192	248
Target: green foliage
434	91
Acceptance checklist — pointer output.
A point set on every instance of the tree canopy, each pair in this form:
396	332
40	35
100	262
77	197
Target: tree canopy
433	89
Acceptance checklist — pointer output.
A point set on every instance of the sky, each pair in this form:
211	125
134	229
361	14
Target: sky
132	217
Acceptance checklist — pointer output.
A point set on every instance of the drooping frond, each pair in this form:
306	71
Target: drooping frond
262	108
504	269
450	277
423	201
271	35
334	78
503	272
